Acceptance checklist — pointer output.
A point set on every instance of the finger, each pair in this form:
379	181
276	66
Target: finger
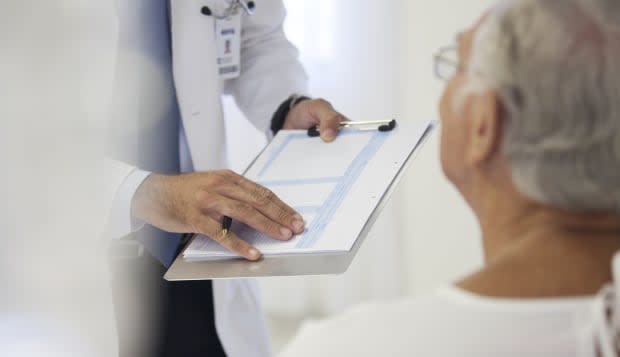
255	188
213	229
329	120
217	216
263	199
329	127
263	204
252	217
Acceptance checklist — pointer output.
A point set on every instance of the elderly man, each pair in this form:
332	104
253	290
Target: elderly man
531	139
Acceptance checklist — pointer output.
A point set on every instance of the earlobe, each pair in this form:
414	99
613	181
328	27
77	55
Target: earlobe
485	128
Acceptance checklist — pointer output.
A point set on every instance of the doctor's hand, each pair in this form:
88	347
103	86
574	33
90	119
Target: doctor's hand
311	112
196	203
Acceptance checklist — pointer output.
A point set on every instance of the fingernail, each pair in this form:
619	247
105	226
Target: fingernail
286	232
298	217
254	254
329	134
299	225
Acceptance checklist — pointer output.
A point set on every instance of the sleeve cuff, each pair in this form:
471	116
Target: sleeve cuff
121	222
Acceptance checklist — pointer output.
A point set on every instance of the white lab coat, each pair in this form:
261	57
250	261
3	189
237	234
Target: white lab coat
270	71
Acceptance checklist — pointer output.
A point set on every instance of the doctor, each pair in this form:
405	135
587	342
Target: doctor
176	59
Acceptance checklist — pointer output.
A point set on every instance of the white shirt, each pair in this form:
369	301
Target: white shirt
451	322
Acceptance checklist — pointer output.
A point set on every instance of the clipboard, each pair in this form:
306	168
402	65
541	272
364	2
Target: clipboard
327	263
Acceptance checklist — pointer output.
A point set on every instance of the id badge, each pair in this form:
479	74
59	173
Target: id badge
228	39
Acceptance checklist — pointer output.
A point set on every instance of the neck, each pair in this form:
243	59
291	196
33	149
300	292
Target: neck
509	220
533	250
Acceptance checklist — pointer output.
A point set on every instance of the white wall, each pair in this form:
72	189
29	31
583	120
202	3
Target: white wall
444	237
373	59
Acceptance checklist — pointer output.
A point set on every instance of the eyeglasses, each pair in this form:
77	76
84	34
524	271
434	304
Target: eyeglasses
446	62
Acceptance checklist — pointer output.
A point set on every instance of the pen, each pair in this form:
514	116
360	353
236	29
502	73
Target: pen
226	222
381	125
353	123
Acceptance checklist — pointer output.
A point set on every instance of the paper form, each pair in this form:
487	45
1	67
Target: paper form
334	186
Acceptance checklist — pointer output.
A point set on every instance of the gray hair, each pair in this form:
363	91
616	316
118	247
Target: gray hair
556	67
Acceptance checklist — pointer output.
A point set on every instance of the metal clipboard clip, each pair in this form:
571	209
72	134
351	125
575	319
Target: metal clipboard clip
380	125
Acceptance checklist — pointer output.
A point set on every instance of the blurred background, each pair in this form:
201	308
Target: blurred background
56	70
373	60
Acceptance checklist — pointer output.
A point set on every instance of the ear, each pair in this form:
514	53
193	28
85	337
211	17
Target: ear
485	128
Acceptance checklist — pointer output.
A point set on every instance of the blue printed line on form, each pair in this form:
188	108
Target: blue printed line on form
306	209
337	195
343	183
291	137
279	150
293	182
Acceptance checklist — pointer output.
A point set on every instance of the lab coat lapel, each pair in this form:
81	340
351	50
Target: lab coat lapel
197	82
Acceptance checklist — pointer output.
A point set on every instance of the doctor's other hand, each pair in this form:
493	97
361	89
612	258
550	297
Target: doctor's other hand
196	203
311	112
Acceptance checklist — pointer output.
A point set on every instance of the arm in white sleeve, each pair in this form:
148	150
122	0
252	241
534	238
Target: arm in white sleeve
270	67
122	181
